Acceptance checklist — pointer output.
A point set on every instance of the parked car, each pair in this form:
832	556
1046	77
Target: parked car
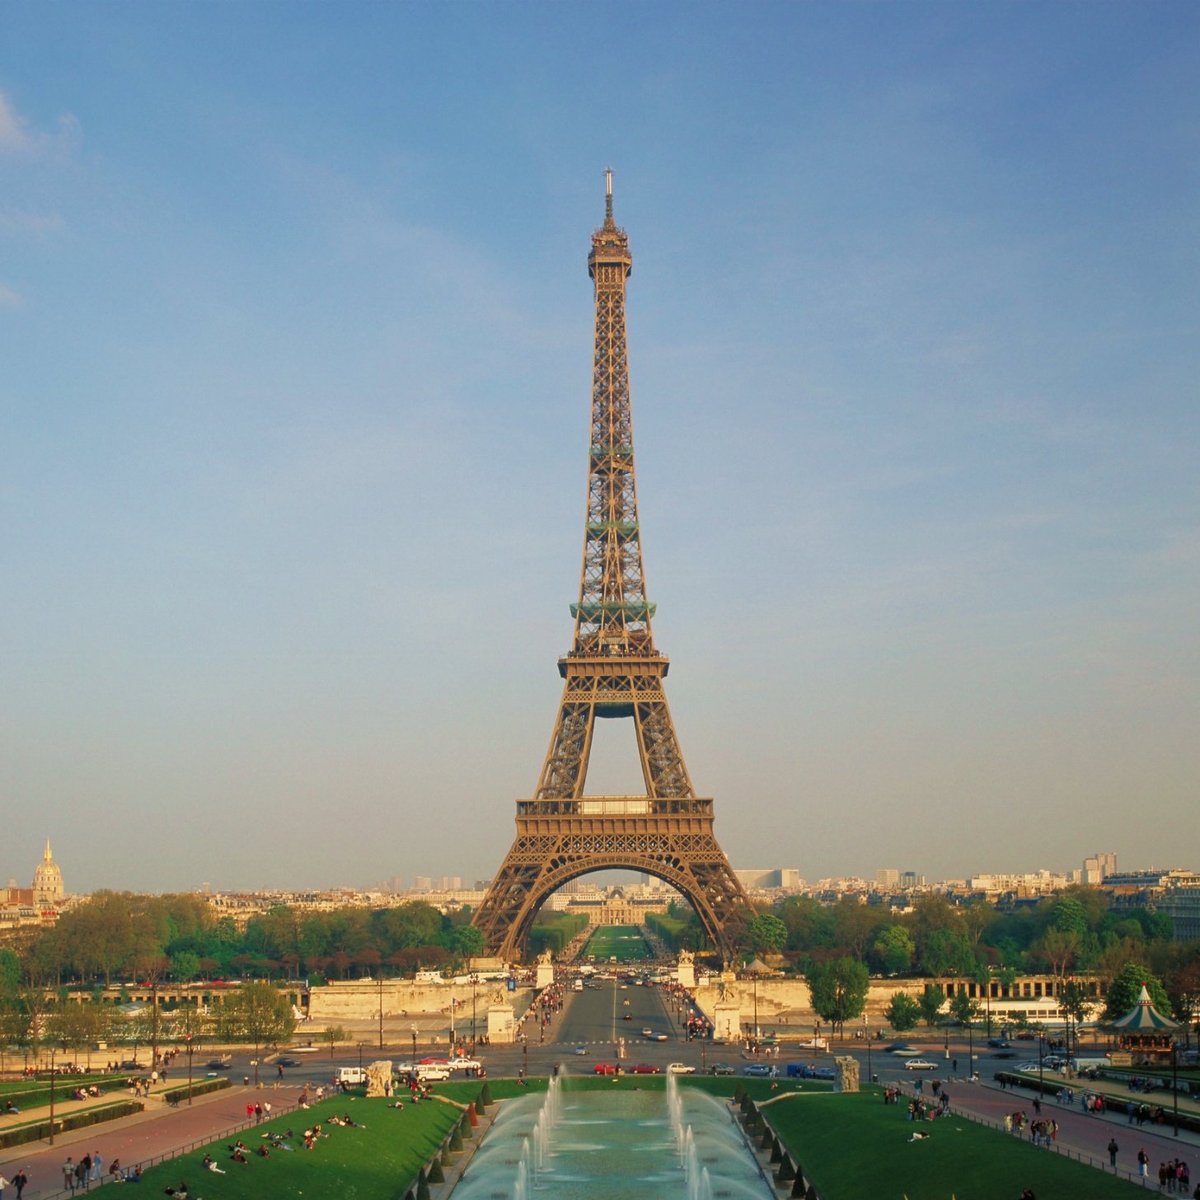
352	1076
809	1071
920	1064
581	1048
464	1064
432	1072
680	1069
604	1068
720	1069
760	1069
645	1069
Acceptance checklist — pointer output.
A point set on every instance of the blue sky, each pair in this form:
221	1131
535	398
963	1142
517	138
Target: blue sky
296	338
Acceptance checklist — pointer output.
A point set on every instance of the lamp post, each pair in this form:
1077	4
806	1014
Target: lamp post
970	1050
190	1051
360	1046
1175	1084
381	1011
474	981
52	1095
414	1051
1041	1064
754	979
525	1061
870	1073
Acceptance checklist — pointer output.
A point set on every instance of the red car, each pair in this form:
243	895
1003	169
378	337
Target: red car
646	1069
605	1069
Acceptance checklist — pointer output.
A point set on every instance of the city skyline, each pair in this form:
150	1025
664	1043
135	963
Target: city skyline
296	325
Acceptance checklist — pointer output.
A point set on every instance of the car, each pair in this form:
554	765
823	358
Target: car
720	1069
645	1069
287	1062
604	1068
656	1037
647	1032
627	1017
760	1069
1027	1066
580	1048
432	1072
132	1064
998	1043
906	1052
217	1064
1005	1054
464	1064
920	1064
680	1069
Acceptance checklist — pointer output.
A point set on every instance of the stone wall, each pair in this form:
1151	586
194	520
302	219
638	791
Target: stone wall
403	1000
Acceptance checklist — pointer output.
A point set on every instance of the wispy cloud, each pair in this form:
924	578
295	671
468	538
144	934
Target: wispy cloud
23	223
19	137
9	298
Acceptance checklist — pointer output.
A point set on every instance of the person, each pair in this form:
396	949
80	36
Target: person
135	1176
114	1169
3	1185
1112	1153
1143	1162
97	1167
11	1109
68	1170
19	1180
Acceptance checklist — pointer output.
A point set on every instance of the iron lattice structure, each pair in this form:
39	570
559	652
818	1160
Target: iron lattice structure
613	670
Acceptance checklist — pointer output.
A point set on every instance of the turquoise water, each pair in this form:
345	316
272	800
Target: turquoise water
678	1144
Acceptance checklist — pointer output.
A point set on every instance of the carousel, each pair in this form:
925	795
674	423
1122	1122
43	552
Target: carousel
1144	1033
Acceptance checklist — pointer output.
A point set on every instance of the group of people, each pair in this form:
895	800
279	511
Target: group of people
1173	1176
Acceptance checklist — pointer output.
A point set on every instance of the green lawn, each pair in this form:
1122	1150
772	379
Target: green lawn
847	1144
377	1159
622	942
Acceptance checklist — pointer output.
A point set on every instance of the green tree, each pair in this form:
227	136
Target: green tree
902	1012
185	966
894	949
962	1008
947	953
258	1013
1127	986
839	990
932	999
333	1034
766	934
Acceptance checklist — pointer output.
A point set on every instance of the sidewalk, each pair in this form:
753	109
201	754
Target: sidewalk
160	1131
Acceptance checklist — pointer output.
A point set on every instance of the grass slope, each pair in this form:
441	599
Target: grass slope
854	1147
622	942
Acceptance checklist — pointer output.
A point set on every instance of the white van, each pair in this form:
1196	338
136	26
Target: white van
352	1076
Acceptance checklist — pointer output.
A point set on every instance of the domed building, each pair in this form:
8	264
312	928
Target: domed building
48	880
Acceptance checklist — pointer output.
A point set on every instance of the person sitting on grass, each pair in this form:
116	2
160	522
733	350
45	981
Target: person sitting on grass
11	1109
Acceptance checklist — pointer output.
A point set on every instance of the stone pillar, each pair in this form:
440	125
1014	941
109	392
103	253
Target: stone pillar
847	1073
545	974
501	1028
727	1021
685	972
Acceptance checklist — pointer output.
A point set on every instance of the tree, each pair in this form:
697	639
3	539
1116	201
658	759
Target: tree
185	966
333	1034
894	949
839	990
962	1008
766	934
902	1012
932	999
257	1013
1124	991
947	953
1060	947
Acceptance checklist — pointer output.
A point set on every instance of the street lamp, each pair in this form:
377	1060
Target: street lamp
414	1051
525	1061
474	981
52	1095
360	1046
870	1073
190	1051
1041	1064
1175	1083
381	1010
755	981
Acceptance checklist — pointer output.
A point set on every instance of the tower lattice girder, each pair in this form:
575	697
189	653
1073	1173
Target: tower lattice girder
612	670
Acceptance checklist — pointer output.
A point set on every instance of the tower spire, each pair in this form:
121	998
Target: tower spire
608	211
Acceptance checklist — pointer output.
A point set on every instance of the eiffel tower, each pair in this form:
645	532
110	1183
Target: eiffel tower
613	670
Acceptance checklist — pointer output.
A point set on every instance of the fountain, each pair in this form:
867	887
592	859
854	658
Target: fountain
567	1145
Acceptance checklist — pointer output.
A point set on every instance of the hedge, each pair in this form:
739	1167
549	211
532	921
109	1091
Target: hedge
37	1130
